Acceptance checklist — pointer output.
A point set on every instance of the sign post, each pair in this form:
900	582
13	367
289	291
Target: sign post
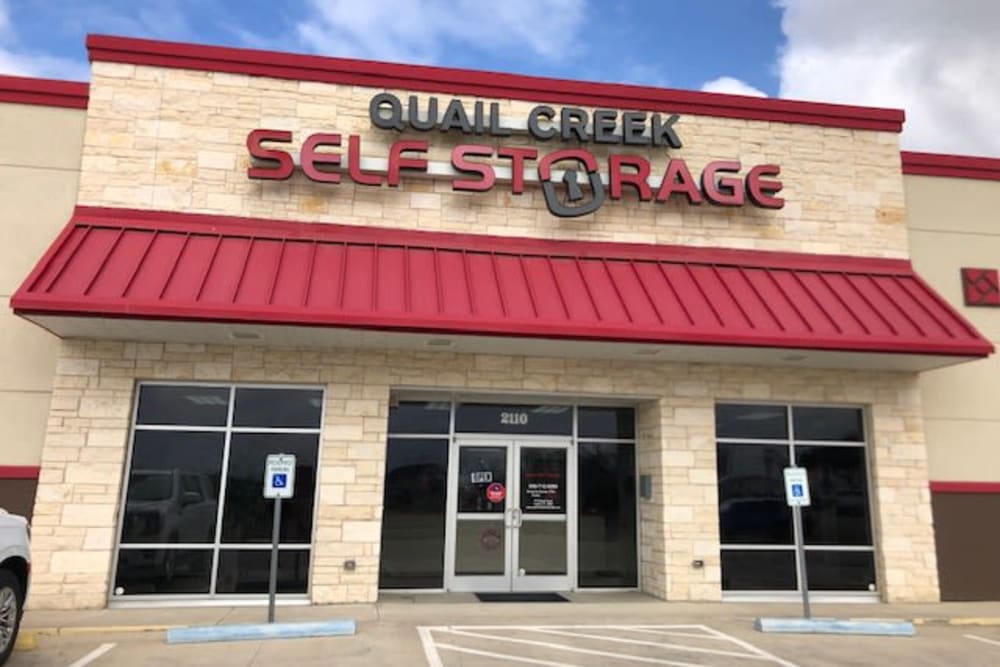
279	483
797	497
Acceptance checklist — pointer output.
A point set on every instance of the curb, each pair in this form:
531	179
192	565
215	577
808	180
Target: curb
27	638
984	621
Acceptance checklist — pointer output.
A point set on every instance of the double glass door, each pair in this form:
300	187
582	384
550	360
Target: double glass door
508	515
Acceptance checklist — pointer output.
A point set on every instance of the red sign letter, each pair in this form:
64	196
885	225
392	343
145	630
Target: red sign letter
638	179
487	176
286	165
517	157
398	162
354	163
310	158
728	191
677	178
759	191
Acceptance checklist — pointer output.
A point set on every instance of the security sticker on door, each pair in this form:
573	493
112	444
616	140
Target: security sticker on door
279	476
797	487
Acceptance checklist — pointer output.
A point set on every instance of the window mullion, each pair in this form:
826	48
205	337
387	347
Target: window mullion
222	492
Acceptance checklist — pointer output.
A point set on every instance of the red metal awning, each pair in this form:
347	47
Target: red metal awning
114	263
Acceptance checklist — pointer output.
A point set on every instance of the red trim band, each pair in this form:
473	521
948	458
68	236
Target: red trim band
484	84
44	92
951	166
965	487
19	472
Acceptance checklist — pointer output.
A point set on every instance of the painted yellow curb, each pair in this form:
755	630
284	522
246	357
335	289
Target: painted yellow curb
984	621
70	631
26	641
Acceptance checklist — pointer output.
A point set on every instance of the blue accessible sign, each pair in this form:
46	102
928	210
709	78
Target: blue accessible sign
279	476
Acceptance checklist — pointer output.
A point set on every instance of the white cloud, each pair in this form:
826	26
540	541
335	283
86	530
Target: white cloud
21	63
940	61
426	30
732	86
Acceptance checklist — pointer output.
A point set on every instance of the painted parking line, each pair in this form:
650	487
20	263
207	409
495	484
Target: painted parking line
695	643
93	655
983	639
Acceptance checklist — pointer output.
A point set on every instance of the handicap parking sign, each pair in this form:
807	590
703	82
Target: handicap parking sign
796	490
279	476
796	487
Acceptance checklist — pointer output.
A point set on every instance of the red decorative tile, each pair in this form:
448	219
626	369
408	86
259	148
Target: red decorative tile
981	287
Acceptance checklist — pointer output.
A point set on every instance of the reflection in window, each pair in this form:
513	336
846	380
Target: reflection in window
606	515
413	518
177	480
752	507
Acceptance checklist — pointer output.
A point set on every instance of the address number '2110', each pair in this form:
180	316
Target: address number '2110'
514	418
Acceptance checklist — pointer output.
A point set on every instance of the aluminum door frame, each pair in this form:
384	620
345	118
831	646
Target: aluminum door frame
510	580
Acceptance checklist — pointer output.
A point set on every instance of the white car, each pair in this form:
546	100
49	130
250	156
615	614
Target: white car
15	566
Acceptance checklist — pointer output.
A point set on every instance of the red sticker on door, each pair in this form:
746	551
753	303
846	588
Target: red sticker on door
496	492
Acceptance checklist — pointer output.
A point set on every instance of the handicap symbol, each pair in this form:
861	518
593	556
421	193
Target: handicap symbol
279	480
797	491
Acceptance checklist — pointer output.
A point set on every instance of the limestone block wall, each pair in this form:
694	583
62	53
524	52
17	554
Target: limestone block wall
159	138
86	443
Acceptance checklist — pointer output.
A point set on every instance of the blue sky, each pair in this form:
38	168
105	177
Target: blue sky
936	60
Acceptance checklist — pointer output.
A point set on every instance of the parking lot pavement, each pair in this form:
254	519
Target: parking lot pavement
586	645
496	635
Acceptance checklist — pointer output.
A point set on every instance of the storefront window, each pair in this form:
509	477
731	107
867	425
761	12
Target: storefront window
755	443
195	521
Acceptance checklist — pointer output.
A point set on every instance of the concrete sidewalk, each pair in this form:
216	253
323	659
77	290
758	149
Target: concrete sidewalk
465	608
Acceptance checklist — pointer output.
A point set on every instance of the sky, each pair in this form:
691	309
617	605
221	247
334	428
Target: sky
940	61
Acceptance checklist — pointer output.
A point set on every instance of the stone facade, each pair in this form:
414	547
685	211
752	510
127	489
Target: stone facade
80	487
173	139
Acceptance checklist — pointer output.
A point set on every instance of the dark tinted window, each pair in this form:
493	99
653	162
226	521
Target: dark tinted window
248	515
413	518
169	571
838	487
844	424
606	423
749	421
278	408
606	515
840	570
173	487
183	405
751	570
752	508
538	419
420	417
248	571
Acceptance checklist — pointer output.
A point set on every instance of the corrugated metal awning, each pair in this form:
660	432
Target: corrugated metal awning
114	263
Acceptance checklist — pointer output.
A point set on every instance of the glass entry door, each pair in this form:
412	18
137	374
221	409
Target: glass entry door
509	510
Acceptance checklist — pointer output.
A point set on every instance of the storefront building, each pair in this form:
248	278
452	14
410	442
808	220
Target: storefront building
520	334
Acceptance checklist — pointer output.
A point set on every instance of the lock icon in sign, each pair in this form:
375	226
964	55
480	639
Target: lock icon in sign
574	193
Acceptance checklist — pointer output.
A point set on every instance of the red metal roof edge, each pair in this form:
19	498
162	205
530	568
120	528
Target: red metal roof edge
950	166
288	229
964	487
19	472
484	84
44	92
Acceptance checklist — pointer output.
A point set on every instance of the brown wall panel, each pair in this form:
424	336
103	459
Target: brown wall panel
968	545
17	496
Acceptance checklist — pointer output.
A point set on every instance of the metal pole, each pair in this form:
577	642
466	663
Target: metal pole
801	558
272	587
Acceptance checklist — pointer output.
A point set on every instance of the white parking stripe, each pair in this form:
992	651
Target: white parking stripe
93	655
750	647
983	639
641	642
504	656
572	649
433	659
671	633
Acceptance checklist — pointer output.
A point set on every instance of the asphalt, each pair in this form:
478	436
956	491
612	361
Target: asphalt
465	608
